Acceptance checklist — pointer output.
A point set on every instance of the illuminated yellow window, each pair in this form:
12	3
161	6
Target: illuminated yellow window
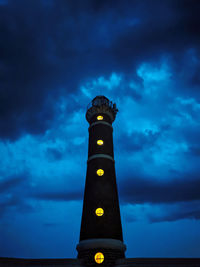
100	172
99	118
100	142
99	212
99	257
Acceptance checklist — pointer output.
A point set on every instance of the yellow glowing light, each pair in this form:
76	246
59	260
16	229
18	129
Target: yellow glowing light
100	142
99	257
99	118
99	212
100	172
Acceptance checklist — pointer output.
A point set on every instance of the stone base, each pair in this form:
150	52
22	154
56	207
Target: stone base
112	250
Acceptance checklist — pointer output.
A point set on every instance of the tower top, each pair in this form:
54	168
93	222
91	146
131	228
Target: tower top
101	105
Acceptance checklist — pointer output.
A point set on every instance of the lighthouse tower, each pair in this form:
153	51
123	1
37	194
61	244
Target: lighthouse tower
101	240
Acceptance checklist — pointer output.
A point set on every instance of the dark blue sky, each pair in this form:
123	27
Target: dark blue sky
55	56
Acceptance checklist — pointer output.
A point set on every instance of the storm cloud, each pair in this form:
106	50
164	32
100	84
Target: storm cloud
141	190
48	48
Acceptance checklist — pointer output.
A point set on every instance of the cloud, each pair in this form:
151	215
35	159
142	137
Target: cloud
54	154
59	195
172	32
177	211
195	150
11	182
161	212
138	189
179	215
14	204
14	190
137	141
59	50
51	224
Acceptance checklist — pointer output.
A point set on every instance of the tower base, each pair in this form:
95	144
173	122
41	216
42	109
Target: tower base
112	250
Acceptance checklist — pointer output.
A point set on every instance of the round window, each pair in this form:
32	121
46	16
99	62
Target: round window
99	257
100	142
99	212
99	118
100	172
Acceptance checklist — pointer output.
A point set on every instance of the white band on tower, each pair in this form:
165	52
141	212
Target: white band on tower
100	122
100	156
101	242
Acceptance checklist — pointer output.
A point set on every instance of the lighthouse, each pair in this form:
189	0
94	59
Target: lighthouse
101	239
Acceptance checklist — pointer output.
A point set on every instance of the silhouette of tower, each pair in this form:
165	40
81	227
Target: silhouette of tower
101	240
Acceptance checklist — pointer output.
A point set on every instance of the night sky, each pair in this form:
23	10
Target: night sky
55	57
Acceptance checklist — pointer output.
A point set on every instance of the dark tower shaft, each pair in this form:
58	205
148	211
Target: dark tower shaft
101	223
